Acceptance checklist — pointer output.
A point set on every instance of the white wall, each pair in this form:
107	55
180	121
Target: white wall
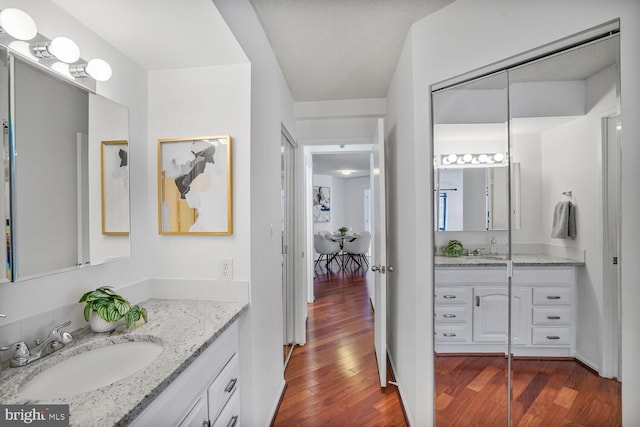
34	306
475	37
271	105
196	102
353	202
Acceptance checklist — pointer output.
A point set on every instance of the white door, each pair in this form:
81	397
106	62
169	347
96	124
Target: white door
379	252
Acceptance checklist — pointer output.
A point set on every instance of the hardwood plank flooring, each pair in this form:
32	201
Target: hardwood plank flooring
471	391
333	379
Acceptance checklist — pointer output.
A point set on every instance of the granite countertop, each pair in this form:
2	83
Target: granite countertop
185	328
500	260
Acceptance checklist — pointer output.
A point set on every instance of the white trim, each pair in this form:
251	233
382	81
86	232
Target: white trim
400	391
276	404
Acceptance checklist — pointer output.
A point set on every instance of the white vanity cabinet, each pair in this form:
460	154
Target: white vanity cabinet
472	305
205	394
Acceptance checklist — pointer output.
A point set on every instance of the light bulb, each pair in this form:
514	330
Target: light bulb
65	49
18	24
99	70
62	68
452	158
467	158
22	48
498	157
482	158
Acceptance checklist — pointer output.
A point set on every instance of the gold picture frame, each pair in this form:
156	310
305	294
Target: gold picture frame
195	185
114	185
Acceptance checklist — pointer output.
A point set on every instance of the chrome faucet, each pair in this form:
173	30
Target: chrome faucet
55	341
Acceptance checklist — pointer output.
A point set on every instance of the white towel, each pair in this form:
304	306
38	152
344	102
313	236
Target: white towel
564	221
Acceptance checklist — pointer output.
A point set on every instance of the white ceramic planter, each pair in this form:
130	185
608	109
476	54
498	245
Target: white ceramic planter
98	324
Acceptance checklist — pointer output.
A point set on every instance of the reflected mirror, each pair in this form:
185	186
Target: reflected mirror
69	185
470	155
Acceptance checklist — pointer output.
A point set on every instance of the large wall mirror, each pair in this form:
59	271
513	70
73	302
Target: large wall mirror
533	335
66	192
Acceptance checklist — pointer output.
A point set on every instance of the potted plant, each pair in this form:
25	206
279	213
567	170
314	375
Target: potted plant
343	230
105	308
453	249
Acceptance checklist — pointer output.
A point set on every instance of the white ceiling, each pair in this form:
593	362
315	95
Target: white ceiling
332	164
161	34
340	49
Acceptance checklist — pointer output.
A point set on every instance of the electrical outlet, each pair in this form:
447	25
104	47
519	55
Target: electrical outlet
225	268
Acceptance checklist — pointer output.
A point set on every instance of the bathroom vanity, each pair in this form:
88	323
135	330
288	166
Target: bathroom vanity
194	379
472	303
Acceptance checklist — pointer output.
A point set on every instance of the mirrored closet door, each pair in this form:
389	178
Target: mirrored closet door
526	208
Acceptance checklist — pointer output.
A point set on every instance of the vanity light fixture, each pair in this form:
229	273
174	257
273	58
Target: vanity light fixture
63	48
18	24
23	48
62	68
468	159
99	69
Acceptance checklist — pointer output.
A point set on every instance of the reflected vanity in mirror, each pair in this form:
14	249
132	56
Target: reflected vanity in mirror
55	194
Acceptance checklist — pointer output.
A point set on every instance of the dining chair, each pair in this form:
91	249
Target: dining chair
328	249
356	249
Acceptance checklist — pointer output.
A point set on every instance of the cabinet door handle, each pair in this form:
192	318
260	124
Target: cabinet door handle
553	297
449	316
232	422
449	334
553	337
477	301
206	423
449	297
232	384
553	317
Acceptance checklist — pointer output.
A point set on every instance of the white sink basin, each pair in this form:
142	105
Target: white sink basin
91	370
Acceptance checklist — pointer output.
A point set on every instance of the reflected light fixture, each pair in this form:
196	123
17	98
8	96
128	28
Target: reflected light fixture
23	48
469	159
99	69
61	68
63	48
18	24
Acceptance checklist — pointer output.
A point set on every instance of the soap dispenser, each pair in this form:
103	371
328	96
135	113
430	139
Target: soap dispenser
493	250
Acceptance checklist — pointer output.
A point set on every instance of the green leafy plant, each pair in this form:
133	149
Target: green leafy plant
453	248
111	306
343	230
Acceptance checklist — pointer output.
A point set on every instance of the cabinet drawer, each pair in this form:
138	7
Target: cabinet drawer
452	313
556	316
551	296
224	386
453	333
551	336
230	416
453	295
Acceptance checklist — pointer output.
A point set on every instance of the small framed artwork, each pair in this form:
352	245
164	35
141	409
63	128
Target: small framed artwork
321	204
194	185
114	158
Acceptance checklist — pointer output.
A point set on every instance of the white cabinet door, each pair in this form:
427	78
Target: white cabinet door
198	415
490	315
490	311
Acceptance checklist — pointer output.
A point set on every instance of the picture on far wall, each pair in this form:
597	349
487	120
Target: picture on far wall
194	185
321	204
114	158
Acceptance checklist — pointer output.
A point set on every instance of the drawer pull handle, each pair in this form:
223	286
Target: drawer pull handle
553	337
449	316
553	317
449	297
232	422
206	423
232	384
553	297
449	334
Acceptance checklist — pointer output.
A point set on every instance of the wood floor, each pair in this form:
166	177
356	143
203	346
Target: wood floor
333	379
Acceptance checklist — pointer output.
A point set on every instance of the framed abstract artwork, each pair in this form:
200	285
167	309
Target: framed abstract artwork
194	185
114	158
321	204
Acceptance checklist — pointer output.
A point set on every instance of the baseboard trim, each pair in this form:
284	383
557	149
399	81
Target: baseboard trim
276	406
